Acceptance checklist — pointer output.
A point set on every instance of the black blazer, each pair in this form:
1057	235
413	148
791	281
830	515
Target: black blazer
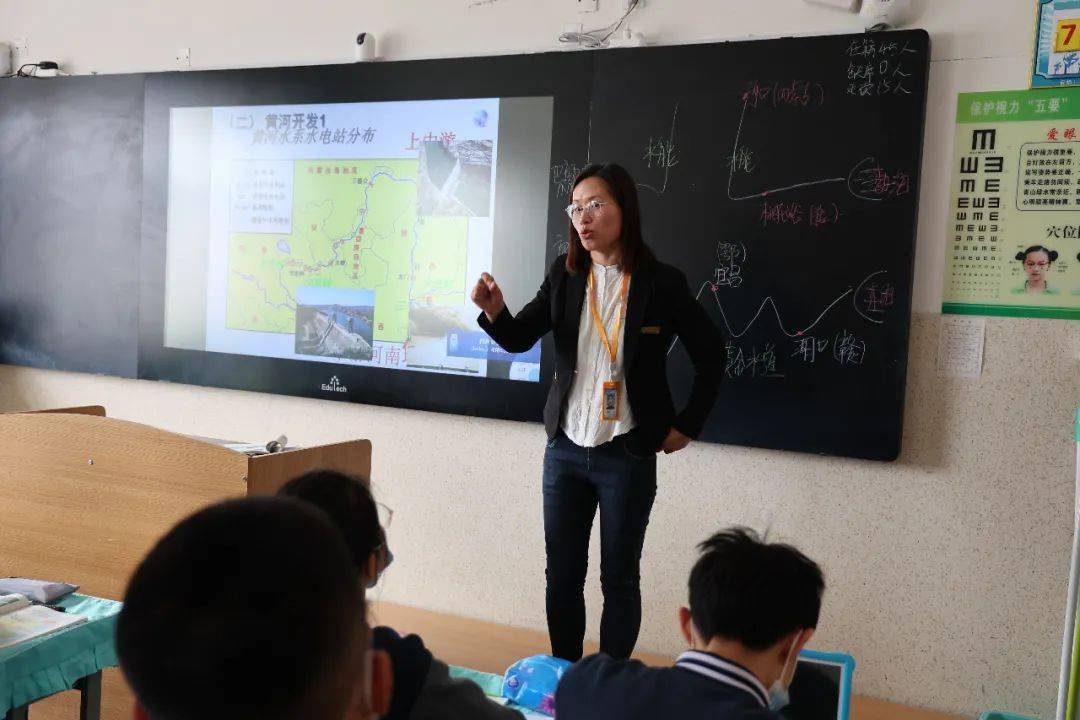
599	687
659	307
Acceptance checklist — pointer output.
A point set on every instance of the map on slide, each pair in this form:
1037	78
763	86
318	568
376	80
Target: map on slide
350	225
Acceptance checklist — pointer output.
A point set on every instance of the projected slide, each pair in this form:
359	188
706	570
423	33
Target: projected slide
345	233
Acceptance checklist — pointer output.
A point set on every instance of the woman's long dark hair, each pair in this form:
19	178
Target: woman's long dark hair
635	253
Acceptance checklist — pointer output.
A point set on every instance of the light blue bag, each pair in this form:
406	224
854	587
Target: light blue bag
531	682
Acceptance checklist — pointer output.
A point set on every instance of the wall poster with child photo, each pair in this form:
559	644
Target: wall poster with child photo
1014	227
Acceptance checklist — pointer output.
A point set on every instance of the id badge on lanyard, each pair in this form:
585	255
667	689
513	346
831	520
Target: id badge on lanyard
610	411
609	401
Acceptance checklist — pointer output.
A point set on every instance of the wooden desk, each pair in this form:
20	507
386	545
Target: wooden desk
119	486
493	648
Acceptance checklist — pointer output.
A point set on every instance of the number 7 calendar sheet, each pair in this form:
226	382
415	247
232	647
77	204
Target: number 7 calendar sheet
1057	44
1013	236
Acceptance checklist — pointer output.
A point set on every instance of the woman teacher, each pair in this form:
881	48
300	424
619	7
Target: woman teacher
614	310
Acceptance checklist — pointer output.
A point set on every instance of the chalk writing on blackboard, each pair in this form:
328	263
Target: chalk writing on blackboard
738	150
563	174
867	180
848	349
879	298
769	302
870	181
815	215
856	292
742	160
876	68
662	154
729	260
797	93
752	363
809	348
874	296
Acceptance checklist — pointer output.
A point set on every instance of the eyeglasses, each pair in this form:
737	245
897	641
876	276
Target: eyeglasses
593	207
1042	264
386	515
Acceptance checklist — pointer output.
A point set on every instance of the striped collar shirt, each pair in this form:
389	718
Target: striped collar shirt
724	671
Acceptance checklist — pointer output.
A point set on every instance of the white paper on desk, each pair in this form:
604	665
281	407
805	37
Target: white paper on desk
246	448
12	602
960	346
32	622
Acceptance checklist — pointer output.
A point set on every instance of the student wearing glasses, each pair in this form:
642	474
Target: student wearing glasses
423	688
1037	261
615	312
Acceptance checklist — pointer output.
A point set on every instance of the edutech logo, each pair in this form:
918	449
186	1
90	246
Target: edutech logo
334	385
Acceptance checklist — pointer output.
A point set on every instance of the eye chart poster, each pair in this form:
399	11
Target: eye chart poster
1013	238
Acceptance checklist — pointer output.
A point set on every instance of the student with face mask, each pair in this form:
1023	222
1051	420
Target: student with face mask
753	607
422	686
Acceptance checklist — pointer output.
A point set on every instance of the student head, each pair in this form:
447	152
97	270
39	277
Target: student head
753	602
605	217
249	610
1037	260
348	502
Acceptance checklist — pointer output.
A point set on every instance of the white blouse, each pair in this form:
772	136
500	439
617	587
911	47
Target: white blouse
581	416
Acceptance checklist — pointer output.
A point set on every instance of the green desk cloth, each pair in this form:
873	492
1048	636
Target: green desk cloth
492	684
37	668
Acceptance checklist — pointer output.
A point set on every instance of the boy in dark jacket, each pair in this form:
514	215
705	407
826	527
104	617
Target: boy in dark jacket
753	606
423	688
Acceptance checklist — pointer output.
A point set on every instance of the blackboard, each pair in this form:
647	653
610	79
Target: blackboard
780	175
70	189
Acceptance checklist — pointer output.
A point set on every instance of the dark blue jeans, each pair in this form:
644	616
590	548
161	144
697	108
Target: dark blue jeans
620	477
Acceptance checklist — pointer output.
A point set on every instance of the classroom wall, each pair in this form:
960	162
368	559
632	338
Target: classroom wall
946	569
